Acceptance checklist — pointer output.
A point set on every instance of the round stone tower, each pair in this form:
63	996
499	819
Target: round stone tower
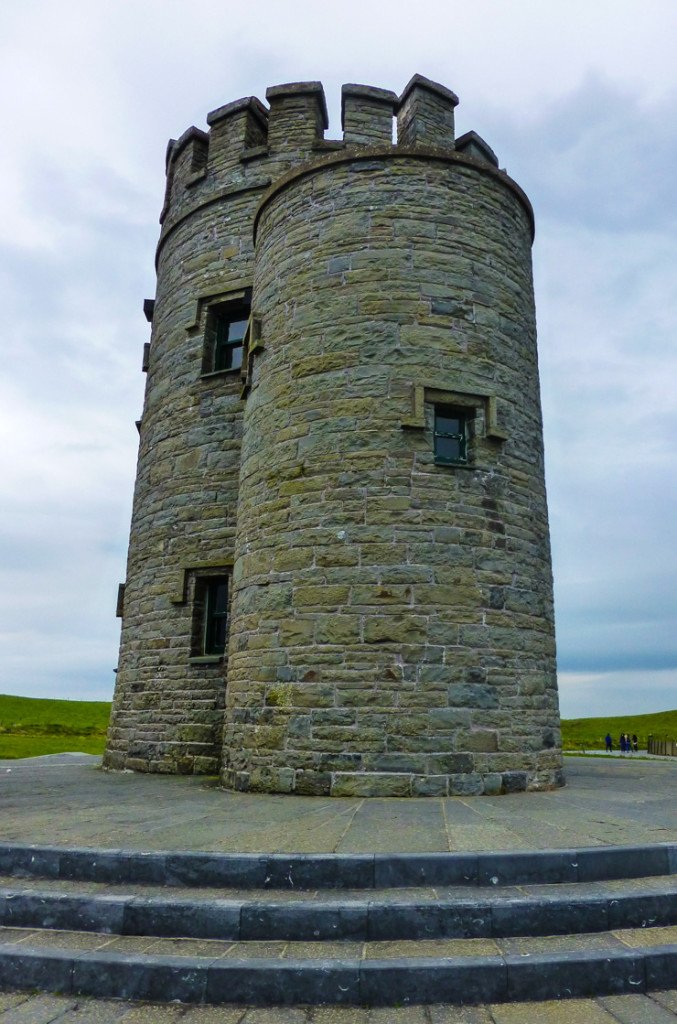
374	589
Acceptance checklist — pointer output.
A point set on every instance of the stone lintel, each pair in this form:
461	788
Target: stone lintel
178	596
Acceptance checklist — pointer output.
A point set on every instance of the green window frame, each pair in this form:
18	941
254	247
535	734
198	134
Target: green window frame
216	615
450	435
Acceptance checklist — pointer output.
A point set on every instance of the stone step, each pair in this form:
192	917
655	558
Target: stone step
338	871
277	929
413	914
376	974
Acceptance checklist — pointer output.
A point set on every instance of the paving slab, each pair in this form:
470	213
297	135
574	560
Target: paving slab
636	1009
564	1011
23	1008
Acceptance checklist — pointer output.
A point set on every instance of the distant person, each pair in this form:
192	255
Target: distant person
609	743
628	744
621	743
635	742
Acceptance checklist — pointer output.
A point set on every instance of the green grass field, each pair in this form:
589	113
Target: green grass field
589	733
30	727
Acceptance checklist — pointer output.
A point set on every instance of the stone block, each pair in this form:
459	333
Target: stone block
477	740
296	631
469	784
320	596
472	695
370	784
309	783
430	785
407	629
337	629
450	764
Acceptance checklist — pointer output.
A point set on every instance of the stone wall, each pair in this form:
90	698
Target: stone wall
392	626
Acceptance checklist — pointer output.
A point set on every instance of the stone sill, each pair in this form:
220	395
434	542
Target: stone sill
206	659
453	465
221	373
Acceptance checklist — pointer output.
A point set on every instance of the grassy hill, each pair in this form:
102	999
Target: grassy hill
30	727
589	733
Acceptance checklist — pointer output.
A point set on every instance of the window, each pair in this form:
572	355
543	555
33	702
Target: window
230	332
225	333
215	615
451	435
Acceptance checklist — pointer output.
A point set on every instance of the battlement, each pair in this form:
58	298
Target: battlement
367	115
247	139
425	114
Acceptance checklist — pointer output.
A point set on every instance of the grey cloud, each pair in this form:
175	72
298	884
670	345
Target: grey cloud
597	157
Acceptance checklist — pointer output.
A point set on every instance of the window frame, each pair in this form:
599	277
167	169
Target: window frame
464	415
212	617
225	347
219	349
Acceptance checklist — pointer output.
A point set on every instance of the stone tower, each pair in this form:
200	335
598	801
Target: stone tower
339	575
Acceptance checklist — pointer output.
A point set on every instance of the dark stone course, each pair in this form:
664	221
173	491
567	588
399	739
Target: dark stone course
217	919
643	911
550	917
660	963
309	921
229	870
429	920
43	970
466	980
119	976
283	983
425	869
622	862
522	868
30	860
565	975
326	871
75	913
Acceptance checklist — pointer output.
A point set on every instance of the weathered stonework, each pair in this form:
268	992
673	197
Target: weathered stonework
391	622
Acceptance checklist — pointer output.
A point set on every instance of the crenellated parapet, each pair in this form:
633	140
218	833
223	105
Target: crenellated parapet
249	145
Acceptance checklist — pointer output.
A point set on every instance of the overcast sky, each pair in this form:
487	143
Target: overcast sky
579	100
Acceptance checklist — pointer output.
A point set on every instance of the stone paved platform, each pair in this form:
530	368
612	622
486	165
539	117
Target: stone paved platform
68	800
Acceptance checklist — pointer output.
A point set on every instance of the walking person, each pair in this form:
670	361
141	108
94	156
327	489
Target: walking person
635	742
621	744
609	743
